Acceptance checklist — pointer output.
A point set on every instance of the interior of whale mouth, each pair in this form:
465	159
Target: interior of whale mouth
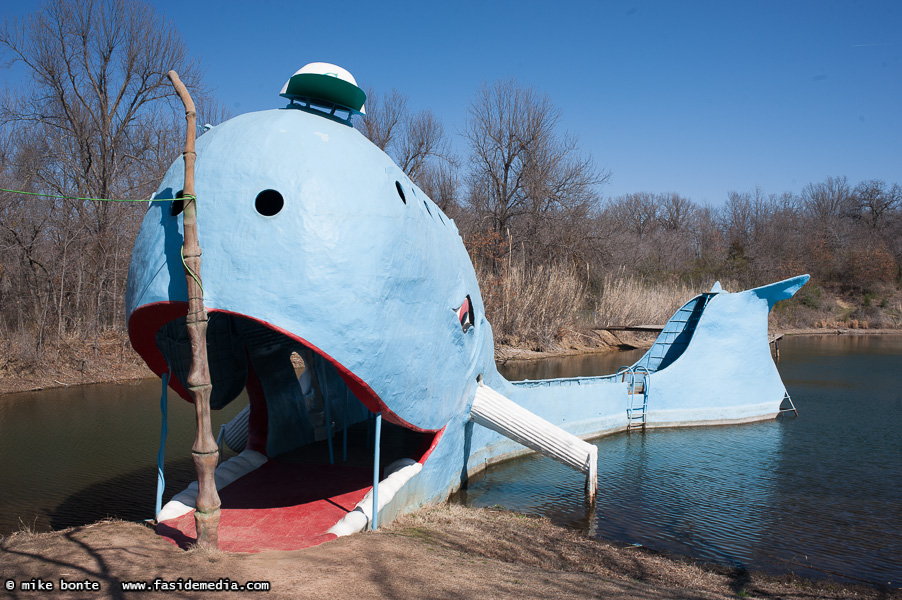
291	418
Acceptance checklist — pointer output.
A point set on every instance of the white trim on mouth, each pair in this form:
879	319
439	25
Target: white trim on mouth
229	471
399	473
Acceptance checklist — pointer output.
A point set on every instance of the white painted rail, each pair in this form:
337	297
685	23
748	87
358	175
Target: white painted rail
498	413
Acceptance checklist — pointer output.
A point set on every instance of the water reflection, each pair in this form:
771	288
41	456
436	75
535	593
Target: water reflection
579	365
70	456
817	495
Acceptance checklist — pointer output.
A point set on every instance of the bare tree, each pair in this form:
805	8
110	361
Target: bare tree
523	173
415	141
441	182
825	204
676	211
636	213
873	201
384	118
95	119
424	139
98	72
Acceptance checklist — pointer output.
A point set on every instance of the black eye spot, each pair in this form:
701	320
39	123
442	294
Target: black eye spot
177	206
269	203
400	191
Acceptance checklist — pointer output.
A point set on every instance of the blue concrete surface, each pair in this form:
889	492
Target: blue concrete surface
362	267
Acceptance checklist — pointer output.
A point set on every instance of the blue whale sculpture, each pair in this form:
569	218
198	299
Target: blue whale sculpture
316	243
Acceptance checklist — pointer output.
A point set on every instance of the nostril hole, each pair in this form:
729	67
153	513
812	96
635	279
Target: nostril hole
400	191
177	206
269	203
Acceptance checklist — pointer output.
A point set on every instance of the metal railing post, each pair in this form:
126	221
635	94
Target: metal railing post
161	454
376	472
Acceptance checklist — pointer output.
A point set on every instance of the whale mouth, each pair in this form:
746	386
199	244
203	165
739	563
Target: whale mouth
316	427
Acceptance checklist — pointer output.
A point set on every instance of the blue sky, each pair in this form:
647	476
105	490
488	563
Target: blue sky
698	98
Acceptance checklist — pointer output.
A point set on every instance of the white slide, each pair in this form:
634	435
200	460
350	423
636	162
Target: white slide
498	413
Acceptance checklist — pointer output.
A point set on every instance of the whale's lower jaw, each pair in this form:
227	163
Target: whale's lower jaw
291	421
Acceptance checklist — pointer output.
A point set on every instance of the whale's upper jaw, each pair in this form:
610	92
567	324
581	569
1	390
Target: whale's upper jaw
358	263
236	344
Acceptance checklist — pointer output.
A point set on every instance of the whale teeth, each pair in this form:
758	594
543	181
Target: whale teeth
229	471
399	473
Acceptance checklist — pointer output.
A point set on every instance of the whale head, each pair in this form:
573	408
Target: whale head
315	242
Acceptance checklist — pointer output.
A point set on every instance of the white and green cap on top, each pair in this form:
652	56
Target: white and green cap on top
326	82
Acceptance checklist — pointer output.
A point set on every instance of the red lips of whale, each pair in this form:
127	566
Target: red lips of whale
146	320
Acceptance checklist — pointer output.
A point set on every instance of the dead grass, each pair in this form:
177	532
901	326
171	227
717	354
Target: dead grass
438	552
532	306
107	358
501	535
630	300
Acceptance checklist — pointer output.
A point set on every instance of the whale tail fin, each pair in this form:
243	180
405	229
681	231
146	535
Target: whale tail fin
781	290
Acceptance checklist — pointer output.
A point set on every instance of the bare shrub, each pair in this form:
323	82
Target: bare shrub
630	300
532	305
869	265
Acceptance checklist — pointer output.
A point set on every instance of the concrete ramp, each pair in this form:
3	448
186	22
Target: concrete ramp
498	413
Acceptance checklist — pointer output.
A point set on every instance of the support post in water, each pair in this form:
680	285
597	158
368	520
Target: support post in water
376	472
161	454
205	452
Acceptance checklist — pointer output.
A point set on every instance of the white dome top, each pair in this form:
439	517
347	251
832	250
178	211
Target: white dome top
328	82
323	68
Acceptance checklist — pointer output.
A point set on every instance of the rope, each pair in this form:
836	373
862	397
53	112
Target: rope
187	197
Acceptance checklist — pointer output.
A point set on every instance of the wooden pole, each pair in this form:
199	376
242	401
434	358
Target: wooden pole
205	452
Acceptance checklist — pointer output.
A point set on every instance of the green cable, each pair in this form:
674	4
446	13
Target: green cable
77	198
188	269
186	197
97	199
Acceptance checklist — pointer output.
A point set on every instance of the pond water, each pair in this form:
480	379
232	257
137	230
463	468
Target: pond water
70	456
818	495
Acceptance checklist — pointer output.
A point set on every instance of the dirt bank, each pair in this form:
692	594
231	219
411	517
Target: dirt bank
445	552
574	342
111	359
106	359
836	331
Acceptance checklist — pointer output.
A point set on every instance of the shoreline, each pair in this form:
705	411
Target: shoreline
460	552
118	363
663	575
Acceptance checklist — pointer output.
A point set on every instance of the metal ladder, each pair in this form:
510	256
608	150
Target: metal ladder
791	409
636	396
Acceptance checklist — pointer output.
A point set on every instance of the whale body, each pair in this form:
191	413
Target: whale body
315	243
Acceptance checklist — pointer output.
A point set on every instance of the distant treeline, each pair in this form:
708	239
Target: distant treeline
553	254
97	119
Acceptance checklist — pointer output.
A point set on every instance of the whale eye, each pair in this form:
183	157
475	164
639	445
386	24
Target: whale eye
269	203
465	314
400	191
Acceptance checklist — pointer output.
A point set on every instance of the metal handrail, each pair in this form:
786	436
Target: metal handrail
632	371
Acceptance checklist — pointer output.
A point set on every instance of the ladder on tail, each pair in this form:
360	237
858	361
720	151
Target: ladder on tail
636	396
789	409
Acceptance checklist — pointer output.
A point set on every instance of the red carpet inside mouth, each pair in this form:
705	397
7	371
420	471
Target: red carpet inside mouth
280	506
